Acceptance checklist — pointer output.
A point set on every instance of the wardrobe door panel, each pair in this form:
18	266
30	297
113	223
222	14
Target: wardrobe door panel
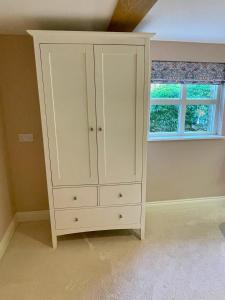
68	77
119	77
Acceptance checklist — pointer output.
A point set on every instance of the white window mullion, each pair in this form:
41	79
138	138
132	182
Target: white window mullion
182	111
213	119
201	102
165	102
219	110
216	112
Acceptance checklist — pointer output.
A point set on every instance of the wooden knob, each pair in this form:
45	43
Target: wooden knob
120	216
76	219
75	198
120	195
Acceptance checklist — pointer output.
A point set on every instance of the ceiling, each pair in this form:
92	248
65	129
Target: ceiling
174	20
186	20
18	15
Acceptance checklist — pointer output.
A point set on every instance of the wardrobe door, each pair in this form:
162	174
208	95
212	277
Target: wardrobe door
68	78
119	78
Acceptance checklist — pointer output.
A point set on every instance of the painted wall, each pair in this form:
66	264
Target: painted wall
186	169
180	169
6	210
21	112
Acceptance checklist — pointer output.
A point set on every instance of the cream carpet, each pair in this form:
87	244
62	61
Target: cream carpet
182	258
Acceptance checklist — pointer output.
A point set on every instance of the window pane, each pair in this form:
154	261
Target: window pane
199	117
165	91
164	118
202	91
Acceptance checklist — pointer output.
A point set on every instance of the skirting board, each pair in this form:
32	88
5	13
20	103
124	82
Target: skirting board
219	199
7	236
44	215
18	218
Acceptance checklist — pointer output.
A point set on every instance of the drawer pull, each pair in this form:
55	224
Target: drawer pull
74	198
76	219
120	216
120	195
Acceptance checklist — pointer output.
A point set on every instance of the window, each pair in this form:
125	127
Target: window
185	110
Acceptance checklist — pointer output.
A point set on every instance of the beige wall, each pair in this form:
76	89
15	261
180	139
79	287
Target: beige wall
6	210
186	169
176	170
21	112
187	51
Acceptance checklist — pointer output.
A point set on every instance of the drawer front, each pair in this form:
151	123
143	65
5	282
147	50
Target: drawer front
120	194
97	217
75	197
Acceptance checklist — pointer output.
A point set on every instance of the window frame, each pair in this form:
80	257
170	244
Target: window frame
217	123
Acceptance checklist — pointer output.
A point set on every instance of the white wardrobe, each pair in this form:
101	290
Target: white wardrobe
94	90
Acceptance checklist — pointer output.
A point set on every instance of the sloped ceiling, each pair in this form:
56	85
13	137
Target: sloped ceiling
174	20
186	20
18	15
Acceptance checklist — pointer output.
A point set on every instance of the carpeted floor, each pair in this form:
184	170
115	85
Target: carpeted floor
182	258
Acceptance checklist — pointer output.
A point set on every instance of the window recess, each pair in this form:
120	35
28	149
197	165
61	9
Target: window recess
186	100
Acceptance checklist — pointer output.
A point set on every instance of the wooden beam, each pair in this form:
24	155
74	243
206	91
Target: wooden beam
128	14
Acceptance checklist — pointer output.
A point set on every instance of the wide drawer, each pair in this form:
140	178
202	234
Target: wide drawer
97	217
75	197
120	194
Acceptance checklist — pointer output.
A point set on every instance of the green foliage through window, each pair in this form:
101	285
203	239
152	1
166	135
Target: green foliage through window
197	117
201	91
165	91
164	118
167	104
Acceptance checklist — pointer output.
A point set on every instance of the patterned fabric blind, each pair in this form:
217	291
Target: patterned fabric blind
187	72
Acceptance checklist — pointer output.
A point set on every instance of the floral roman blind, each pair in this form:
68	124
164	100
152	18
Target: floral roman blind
187	72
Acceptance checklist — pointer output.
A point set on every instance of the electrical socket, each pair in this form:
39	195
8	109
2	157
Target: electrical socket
25	137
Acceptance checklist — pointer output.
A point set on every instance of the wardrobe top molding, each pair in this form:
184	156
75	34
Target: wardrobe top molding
90	37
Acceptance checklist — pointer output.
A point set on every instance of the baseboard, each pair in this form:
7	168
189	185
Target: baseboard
20	217
192	201
7	236
44	214
27	216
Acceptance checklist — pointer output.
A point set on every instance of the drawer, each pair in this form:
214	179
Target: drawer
97	217
75	197
120	194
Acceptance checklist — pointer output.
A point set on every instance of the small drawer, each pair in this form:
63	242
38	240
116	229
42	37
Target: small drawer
120	194
101	217
75	197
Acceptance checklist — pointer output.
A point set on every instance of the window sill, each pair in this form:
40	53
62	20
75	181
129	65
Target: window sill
185	138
